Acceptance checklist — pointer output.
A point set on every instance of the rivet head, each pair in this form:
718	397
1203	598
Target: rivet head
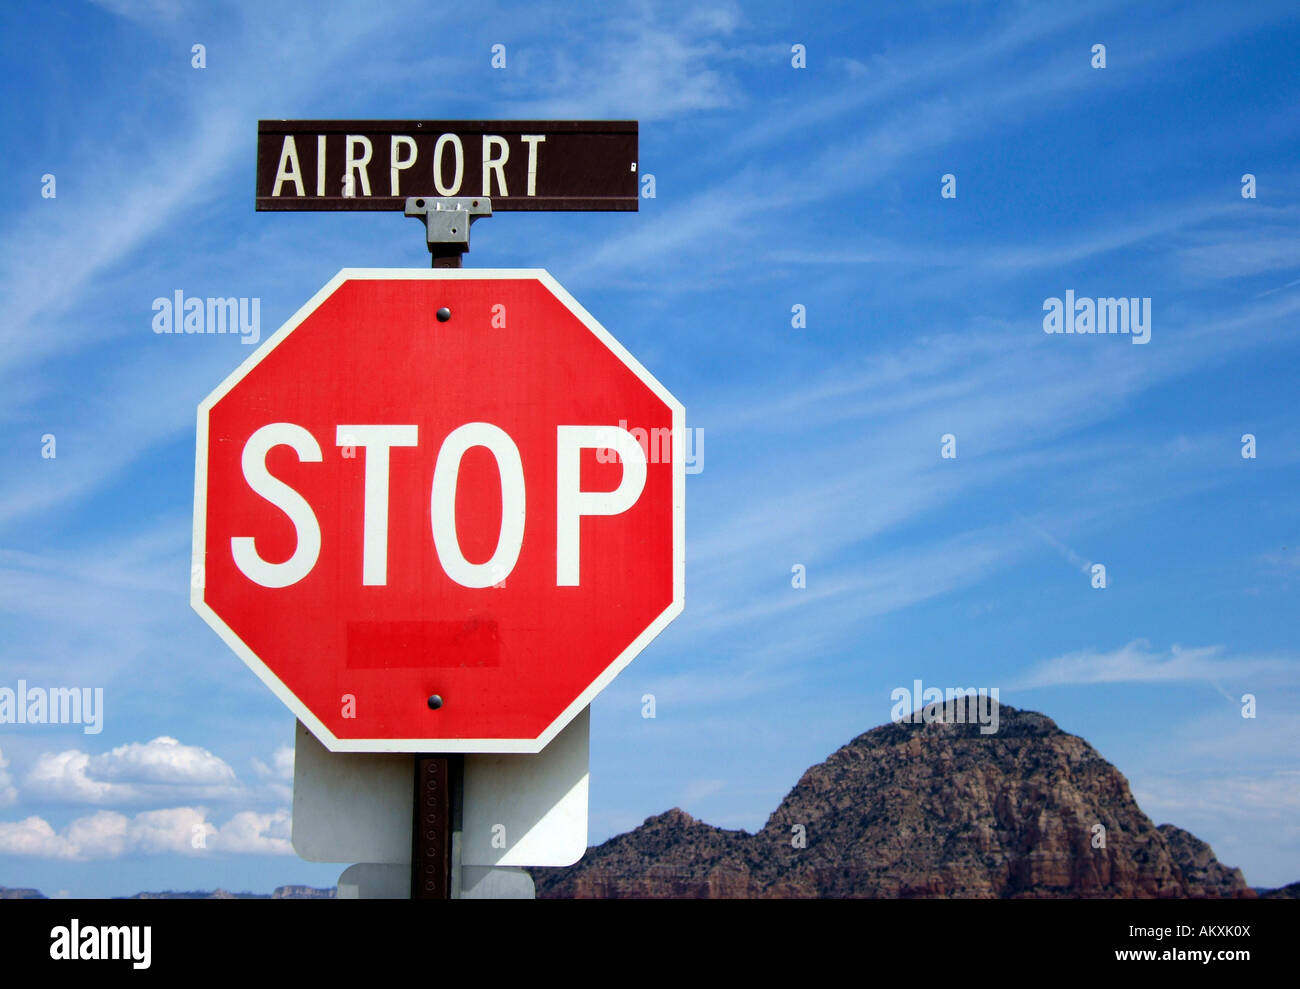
435	702
444	314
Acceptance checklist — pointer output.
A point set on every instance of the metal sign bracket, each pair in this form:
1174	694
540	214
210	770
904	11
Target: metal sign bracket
446	222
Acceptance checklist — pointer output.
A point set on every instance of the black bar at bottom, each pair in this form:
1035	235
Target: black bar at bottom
337	939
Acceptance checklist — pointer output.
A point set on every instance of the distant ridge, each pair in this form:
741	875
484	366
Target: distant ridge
922	810
281	893
1291	892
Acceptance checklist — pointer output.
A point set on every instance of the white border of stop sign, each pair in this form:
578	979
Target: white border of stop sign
522	745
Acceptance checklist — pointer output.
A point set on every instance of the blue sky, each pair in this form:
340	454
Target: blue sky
775	187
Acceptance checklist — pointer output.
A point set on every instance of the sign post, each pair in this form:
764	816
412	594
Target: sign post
439	510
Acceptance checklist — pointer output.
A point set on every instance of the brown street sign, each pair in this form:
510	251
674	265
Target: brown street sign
517	164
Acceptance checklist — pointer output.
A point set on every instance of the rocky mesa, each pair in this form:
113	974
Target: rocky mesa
932	809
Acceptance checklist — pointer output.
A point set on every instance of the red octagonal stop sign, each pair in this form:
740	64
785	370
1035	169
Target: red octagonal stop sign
439	482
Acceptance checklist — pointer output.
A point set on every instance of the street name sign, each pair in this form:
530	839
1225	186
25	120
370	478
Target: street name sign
439	510
378	164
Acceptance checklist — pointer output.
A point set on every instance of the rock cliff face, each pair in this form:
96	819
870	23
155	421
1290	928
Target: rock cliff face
1291	892
924	810
1204	874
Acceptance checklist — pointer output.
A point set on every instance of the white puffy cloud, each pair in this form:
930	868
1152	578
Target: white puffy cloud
105	834
108	834
62	776
35	838
7	792
171	830
281	766
277	777
163	760
251	833
161	768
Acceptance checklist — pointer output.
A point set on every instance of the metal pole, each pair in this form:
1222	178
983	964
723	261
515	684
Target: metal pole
440	779
436	824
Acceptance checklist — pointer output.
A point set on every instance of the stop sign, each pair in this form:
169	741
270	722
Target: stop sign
446	486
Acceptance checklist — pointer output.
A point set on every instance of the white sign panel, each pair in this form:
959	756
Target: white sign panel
518	810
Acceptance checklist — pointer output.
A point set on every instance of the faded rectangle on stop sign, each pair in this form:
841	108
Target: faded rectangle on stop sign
518	810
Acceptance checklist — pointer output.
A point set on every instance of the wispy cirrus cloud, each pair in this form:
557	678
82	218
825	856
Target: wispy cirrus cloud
715	220
1137	662
891	75
149	177
643	70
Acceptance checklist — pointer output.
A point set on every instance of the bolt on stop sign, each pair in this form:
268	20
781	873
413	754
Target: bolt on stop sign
439	483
